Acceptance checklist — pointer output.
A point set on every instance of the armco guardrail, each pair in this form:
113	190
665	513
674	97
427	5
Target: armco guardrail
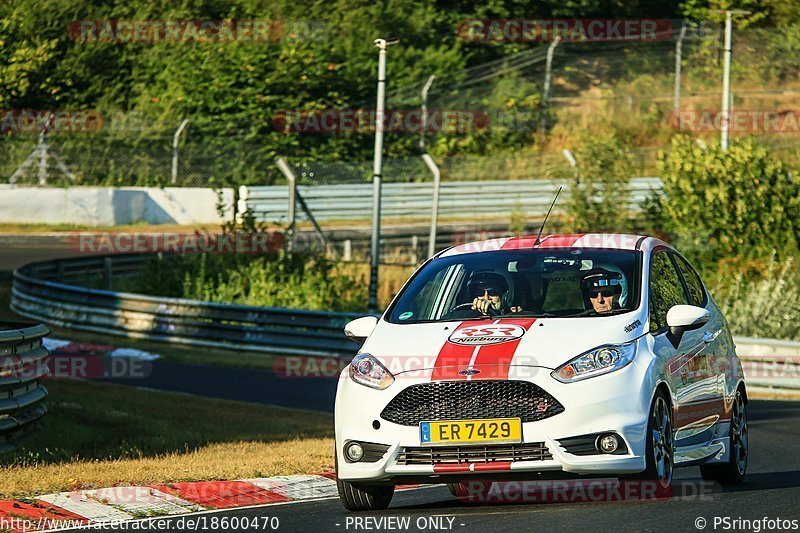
23	363
770	363
767	362
36	295
413	200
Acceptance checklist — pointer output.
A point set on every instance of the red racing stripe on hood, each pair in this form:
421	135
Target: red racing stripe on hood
454	357
494	360
548	241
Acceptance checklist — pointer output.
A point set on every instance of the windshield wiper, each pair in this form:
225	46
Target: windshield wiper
526	315
592	312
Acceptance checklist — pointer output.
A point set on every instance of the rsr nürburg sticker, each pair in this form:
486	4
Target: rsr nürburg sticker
488	334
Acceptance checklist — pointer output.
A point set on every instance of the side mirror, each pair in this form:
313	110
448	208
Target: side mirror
682	318
359	329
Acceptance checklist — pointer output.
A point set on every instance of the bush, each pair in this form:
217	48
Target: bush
300	281
740	203
768	307
599	198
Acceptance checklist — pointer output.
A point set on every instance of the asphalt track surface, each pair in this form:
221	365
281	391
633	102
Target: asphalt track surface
771	490
240	384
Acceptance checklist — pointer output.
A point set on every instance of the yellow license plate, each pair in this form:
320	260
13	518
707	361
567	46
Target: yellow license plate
471	431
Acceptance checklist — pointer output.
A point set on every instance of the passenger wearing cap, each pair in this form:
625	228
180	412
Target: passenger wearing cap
602	288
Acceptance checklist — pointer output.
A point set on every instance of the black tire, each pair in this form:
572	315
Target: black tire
733	471
358	497
660	443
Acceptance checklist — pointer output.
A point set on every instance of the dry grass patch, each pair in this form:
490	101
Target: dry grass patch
101	435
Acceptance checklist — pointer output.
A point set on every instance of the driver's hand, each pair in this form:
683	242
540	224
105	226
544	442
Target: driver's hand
482	305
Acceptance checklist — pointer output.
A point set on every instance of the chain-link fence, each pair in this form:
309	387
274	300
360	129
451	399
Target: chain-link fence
516	127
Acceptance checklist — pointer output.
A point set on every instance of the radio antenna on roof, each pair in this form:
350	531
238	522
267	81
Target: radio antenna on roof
541	228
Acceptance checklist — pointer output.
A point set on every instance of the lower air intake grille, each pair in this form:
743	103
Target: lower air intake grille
530	451
460	400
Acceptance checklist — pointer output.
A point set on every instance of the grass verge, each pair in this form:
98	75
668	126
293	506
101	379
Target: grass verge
98	435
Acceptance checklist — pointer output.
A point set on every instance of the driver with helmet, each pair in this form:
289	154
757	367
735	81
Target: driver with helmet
604	289
490	294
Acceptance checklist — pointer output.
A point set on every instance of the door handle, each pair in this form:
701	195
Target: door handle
709	336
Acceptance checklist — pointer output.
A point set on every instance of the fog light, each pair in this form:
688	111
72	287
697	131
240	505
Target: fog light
354	452
608	443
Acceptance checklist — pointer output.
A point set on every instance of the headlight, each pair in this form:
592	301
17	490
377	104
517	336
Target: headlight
368	371
596	362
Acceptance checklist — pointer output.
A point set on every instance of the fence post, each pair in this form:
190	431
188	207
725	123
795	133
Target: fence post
175	150
547	77
433	167
676	104
42	160
347	253
291	181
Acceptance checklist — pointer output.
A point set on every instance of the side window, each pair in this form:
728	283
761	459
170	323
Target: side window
693	283
666	289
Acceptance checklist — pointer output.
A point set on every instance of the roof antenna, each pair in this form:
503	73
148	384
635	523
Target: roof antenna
541	228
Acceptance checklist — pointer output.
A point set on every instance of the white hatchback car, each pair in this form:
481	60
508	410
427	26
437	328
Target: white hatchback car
522	358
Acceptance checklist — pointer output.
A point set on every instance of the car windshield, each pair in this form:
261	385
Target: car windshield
521	283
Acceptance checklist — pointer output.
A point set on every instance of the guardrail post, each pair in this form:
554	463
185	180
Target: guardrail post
414	249
107	272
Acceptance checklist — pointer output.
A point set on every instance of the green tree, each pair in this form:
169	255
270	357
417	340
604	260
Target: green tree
599	198
741	202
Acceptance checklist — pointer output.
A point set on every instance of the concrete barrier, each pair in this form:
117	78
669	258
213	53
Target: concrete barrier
110	206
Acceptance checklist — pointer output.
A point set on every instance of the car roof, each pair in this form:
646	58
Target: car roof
607	241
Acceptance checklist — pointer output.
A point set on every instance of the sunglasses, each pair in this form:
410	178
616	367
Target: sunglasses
492	291
606	293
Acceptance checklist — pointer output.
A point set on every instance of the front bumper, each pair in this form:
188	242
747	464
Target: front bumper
617	402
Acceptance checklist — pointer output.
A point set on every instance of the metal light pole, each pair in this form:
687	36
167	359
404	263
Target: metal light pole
175	150
726	76
377	174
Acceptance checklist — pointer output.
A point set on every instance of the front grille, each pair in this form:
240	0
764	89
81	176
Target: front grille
460	400
531	451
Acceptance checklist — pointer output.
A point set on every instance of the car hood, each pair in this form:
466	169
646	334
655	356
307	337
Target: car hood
449	347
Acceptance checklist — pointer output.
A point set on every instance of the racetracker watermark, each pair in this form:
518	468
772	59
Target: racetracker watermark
193	31
177	243
522	30
61	121
402	367
452	121
582	491
741	120
77	366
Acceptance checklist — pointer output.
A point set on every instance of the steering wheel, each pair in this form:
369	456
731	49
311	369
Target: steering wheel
468	305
